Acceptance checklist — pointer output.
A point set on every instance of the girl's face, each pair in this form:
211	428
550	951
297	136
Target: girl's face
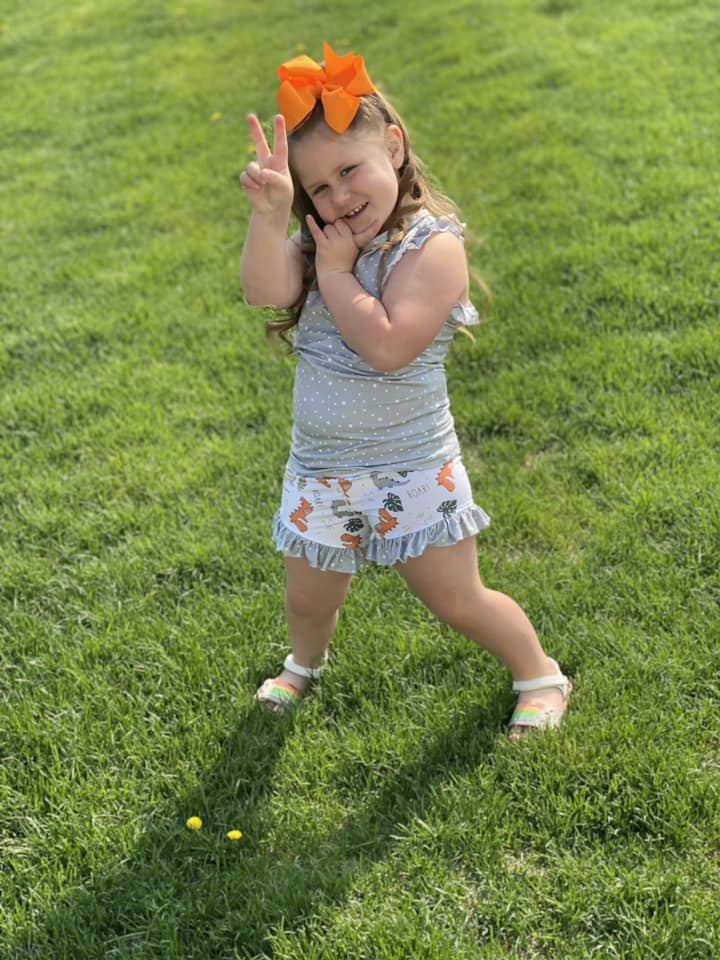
351	176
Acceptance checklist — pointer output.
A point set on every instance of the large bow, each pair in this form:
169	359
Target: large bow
339	85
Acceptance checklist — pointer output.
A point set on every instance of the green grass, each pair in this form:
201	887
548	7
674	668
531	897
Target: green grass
143	430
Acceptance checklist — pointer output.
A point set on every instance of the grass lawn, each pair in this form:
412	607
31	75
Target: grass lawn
144	425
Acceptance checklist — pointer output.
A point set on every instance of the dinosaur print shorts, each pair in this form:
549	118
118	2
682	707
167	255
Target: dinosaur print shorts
342	523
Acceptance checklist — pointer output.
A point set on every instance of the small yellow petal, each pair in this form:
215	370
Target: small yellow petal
216	116
194	823
300	47
234	835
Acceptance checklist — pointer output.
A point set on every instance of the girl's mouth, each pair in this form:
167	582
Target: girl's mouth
355	212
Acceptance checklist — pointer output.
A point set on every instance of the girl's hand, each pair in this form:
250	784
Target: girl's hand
336	248
266	181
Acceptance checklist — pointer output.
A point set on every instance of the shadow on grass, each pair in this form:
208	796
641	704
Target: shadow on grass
192	895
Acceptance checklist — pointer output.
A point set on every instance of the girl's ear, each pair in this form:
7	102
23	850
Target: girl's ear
395	145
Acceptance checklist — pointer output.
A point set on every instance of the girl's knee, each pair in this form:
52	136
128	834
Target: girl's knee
315	598
460	610
300	603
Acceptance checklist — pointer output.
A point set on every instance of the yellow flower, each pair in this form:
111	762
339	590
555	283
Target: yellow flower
194	823
216	116
234	835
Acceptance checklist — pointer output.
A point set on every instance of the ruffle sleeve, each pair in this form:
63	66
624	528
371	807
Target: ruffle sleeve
420	231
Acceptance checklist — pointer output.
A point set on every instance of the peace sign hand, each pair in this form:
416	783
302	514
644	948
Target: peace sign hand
266	181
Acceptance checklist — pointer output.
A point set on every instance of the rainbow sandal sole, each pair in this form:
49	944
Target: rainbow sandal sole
278	696
535	715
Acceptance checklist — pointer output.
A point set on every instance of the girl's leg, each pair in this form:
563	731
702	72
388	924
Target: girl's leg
446	579
312	605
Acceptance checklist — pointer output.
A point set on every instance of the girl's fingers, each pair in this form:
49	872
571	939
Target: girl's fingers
361	239
315	230
257	177
258	138
248	182
251	178
272	178
280	145
342	229
254	170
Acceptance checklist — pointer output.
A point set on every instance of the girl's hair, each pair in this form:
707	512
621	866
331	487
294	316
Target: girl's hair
415	193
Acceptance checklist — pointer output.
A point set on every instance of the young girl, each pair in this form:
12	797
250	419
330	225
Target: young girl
376	284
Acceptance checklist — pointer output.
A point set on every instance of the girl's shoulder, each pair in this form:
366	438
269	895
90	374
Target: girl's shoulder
422	226
447	261
419	227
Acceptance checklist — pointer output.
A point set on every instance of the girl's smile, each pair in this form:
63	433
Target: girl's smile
351	177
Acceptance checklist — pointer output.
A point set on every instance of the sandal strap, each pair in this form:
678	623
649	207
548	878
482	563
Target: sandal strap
558	680
310	673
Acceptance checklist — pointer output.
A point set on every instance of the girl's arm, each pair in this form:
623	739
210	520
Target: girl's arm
419	297
271	267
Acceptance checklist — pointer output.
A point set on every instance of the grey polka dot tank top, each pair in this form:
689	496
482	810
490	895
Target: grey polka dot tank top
350	419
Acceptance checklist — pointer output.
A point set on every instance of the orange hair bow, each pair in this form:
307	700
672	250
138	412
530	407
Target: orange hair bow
339	85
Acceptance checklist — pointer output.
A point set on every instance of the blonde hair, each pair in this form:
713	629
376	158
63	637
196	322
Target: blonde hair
415	192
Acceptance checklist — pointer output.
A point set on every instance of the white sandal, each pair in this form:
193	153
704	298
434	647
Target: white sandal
282	697
536	715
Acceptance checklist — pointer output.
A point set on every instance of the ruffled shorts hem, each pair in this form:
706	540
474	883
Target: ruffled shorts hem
449	530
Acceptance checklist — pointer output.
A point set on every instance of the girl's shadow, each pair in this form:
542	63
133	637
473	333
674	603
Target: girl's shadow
196	894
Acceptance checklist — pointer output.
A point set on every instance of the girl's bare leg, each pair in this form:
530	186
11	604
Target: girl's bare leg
312	605
446	579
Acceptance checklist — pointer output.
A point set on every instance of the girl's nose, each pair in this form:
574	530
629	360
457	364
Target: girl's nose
340	197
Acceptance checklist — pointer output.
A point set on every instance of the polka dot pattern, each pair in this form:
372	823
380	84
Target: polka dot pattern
349	417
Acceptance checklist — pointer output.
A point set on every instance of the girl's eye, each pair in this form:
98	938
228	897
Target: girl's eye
346	171
319	189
